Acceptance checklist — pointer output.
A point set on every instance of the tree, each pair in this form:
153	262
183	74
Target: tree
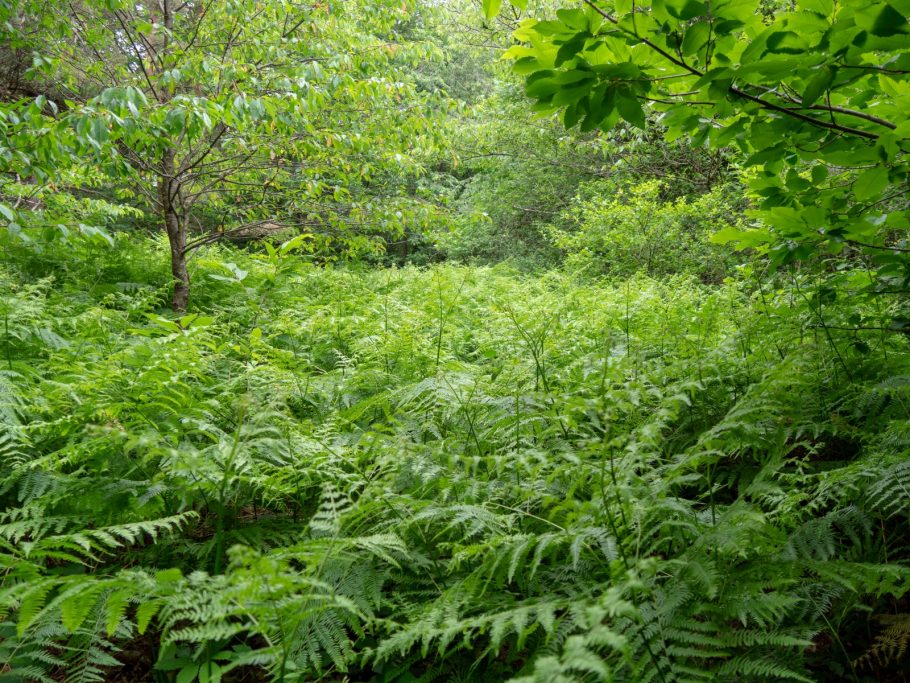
817	99
227	115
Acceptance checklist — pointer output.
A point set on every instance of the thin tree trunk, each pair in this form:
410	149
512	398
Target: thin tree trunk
175	227
169	194
177	239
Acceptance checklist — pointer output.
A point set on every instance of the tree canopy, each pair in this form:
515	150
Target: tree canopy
219	114
816	98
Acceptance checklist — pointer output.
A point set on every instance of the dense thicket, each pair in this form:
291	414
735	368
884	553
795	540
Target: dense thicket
459	394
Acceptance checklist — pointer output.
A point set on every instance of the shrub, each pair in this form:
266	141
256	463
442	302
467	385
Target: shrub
622	229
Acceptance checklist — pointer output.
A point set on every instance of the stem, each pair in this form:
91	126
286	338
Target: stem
219	525
9	351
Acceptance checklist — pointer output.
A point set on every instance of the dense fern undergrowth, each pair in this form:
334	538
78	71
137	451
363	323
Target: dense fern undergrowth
443	474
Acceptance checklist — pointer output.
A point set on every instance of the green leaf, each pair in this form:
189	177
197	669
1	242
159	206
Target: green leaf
175	120
571	95
725	28
115	609
572	114
726	235
600	104
75	608
622	7
551	28
630	109
7	212
188	673
744	239
572	76
696	37
573	18
491	8
785	42
30	605
526	65
860	346
569	50
817	85
540	84
870	183
210	672
822	7
884	23
825	296
686	9
295	242
144	614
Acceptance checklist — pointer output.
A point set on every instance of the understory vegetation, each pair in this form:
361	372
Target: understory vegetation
457	473
328	355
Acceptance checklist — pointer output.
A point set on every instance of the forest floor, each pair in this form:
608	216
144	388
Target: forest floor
454	473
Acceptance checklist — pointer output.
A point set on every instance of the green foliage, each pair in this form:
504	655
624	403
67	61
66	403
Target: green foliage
516	179
215	122
620	230
645	466
456	473
814	97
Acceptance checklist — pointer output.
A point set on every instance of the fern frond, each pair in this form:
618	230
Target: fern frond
890	644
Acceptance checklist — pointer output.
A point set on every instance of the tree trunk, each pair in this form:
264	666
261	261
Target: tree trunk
175	226
176	233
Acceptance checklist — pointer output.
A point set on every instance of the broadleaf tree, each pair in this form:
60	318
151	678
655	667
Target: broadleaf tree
815	96
226	116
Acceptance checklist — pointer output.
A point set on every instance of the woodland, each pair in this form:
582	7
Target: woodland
402	341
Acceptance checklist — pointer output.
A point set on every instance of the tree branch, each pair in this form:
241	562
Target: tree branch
733	90
145	73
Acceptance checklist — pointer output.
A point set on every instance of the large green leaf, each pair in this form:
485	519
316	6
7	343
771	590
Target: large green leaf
491	8
630	108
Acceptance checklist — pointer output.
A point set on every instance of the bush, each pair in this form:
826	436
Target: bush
619	230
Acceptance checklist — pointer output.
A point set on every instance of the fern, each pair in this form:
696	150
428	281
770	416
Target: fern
890	495
638	488
890	644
